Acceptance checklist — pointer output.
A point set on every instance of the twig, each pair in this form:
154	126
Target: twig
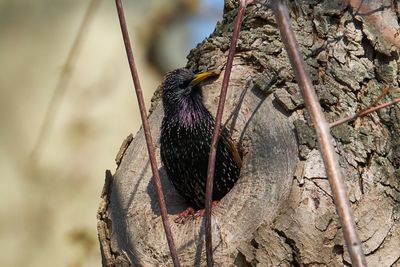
323	134
217	129
385	92
63	79
147	133
363	113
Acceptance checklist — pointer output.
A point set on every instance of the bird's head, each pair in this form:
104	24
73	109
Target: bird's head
181	84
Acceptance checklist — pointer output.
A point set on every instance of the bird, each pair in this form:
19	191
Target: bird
185	140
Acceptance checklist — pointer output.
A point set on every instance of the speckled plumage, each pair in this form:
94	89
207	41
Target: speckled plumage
186	133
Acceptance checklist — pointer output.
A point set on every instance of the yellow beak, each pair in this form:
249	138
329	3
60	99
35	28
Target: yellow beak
202	76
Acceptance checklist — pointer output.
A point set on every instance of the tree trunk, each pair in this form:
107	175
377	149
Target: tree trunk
280	212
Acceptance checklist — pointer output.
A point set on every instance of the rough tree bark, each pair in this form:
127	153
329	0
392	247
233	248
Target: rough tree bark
280	212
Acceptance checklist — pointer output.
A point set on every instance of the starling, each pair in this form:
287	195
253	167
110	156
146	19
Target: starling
186	134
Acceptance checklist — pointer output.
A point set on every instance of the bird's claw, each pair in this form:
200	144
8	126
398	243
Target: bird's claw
202	212
181	218
190	212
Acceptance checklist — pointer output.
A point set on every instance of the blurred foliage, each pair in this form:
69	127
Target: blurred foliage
48	206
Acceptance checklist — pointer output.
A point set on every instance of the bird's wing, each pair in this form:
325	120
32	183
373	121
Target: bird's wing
232	147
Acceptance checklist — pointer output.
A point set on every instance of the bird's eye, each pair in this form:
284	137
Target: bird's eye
185	84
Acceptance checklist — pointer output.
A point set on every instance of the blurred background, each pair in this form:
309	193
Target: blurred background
67	102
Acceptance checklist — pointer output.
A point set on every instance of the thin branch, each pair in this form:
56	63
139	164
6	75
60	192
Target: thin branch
385	92
367	110
324	136
63	79
217	129
147	133
363	113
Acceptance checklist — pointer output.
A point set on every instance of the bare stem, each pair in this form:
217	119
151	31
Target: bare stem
324	136
364	113
147	133
217	130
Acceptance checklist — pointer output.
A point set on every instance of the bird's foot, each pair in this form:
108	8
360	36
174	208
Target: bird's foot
200	213
181	218
190	212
